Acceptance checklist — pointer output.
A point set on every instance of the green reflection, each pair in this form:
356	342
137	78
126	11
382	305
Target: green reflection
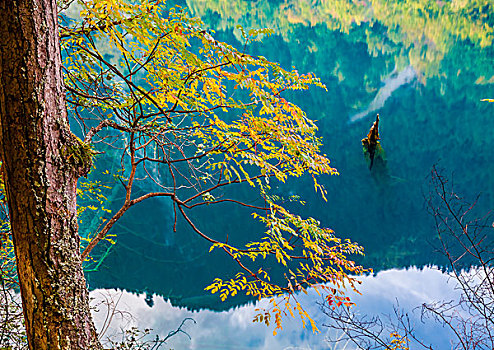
423	65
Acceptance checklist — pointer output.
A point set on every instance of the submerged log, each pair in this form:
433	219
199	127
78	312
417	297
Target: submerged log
371	144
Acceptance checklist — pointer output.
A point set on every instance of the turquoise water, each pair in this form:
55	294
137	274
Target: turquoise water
425	79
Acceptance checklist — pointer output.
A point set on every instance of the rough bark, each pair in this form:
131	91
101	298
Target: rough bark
40	173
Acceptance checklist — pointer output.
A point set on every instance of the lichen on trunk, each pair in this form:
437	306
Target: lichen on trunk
40	180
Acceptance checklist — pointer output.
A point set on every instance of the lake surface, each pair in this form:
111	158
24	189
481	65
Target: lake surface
424	70
234	329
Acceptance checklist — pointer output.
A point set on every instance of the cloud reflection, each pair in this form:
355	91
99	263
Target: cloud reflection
234	329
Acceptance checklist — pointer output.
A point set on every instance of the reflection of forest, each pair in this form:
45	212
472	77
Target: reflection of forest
354	47
417	32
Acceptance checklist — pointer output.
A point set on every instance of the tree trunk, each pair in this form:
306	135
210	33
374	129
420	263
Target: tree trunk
40	171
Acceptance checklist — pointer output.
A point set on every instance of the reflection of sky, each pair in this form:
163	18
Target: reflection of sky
234	329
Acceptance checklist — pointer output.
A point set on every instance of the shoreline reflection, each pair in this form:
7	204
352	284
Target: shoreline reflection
234	329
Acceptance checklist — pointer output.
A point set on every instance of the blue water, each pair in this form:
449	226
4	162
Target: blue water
427	88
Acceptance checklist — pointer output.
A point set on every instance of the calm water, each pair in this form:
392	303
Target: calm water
234	329
424	74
